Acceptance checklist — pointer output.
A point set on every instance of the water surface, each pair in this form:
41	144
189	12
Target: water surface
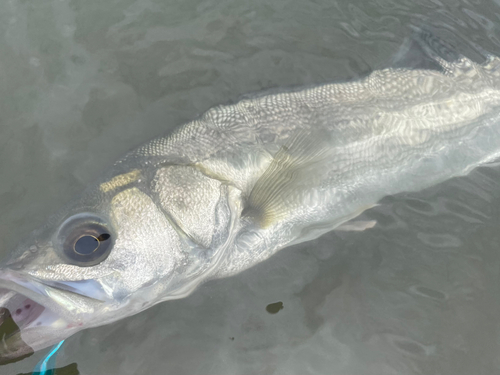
83	81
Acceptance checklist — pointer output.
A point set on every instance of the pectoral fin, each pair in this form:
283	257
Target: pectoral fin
357	226
290	172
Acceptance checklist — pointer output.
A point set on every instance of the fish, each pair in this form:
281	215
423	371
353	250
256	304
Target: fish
229	189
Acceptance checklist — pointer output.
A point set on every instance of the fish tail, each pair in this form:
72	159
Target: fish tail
438	50
491	64
452	62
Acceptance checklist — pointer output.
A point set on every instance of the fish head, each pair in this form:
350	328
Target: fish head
109	254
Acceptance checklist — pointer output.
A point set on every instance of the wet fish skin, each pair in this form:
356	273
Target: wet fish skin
231	188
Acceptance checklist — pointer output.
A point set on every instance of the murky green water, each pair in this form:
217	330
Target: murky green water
83	81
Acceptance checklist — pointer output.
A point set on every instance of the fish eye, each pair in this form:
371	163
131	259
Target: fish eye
87	244
84	240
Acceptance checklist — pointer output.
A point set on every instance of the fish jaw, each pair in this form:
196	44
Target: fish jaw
30	319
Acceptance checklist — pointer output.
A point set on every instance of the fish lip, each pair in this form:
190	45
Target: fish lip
25	285
58	296
37	289
84	288
42	324
43	293
22	285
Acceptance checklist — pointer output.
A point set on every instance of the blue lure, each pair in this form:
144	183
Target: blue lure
49	361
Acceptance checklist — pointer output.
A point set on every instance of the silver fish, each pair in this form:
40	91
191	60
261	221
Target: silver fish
230	189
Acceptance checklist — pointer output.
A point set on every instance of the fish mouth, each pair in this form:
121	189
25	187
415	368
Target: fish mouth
29	319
